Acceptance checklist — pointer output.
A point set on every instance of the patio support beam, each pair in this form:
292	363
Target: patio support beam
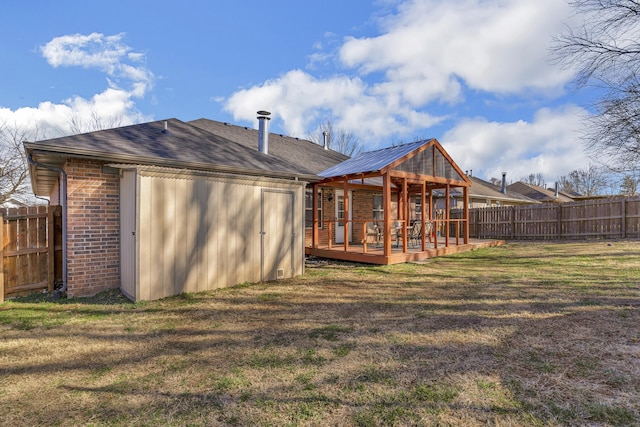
346	214
447	204
405	217
314	217
386	212
423	211
465	197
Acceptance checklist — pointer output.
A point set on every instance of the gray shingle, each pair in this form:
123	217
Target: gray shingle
307	156
182	145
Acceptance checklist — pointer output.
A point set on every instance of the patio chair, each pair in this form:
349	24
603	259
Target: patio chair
428	230
415	237
373	233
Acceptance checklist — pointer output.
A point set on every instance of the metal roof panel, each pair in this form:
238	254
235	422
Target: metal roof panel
372	161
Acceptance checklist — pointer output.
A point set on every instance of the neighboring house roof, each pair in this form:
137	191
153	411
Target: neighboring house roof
482	189
13	202
181	145
538	193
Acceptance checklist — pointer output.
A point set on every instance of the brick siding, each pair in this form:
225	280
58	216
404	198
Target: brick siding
362	205
93	228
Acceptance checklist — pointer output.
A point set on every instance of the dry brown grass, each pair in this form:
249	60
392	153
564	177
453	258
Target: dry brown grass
525	334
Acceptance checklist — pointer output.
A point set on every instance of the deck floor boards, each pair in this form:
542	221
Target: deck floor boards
374	254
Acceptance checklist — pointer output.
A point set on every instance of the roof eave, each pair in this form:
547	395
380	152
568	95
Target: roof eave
39	149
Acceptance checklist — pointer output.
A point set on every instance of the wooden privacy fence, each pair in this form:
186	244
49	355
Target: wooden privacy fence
31	249
615	218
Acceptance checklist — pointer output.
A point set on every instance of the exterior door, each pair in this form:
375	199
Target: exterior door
340	216
277	235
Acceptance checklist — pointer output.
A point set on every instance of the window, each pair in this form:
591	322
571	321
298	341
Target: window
417	200
308	209
378	211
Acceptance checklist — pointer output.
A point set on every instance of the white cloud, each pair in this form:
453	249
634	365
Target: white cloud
105	53
95	50
113	106
49	120
549	145
299	100
430	55
496	46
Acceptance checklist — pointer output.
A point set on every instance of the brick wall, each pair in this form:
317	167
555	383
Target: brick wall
362	205
328	212
93	228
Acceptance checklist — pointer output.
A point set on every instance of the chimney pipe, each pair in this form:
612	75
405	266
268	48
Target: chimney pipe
503	190
325	135
263	131
556	192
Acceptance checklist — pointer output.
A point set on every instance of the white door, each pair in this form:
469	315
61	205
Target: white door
340	216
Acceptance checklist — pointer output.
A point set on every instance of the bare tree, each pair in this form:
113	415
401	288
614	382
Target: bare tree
338	140
14	172
95	122
605	52
534	179
629	185
587	182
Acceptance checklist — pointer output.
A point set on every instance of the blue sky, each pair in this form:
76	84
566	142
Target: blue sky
475	74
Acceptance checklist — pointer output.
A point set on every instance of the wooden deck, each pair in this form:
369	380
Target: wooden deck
374	254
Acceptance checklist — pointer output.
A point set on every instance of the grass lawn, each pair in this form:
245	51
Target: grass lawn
527	334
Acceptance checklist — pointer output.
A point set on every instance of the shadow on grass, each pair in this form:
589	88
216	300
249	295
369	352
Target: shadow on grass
349	343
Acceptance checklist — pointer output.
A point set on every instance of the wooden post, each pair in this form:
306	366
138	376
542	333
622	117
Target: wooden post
422	214
465	196
345	198
364	237
386	202
559	207
405	206
513	222
314	217
1	258
434	224
447	193
623	226
51	249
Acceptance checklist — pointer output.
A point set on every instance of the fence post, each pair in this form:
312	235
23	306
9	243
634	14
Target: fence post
623	226
513	222
51	249
559	207
1	258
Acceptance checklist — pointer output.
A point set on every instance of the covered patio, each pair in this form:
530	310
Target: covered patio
405	226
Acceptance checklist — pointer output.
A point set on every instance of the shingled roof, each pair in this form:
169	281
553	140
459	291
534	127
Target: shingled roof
481	188
306	155
538	193
193	145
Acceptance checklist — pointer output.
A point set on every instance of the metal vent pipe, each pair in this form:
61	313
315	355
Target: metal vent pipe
503	190
263	131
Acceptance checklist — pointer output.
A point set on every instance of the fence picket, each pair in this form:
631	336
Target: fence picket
29	255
